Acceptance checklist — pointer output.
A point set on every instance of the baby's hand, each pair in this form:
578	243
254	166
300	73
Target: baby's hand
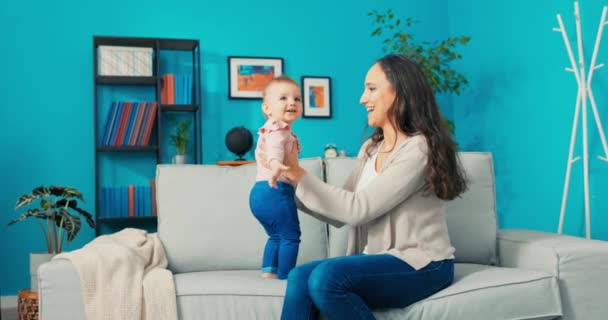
276	169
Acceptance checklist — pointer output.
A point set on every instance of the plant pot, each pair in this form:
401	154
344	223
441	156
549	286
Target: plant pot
36	259
179	159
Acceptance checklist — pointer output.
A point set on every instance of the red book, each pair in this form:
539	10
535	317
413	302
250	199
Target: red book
142	127
131	201
124	120
138	122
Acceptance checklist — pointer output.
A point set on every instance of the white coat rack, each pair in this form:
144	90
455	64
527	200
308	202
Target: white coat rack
584	92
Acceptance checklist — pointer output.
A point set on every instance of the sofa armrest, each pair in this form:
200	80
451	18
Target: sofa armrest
580	265
60	296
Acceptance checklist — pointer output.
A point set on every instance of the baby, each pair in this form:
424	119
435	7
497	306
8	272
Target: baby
272	199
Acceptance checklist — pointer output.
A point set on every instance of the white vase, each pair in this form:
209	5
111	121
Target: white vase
179	159
36	259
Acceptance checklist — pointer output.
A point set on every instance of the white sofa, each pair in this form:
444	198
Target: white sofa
214	247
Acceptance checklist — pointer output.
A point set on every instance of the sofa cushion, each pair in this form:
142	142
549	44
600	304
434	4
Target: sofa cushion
228	295
486	292
471	218
204	221
337	171
478	292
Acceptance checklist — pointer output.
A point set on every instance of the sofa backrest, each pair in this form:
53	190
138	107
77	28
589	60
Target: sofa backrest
471	218
204	221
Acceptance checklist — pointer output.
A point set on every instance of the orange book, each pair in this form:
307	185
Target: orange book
131	201
170	88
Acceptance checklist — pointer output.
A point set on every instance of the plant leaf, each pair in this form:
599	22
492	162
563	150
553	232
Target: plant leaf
71	223
25	200
73	204
433	57
36	213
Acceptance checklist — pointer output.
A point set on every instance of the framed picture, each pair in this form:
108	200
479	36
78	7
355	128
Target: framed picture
247	76
316	93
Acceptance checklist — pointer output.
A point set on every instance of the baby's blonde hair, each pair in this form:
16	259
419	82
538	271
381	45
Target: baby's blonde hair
279	79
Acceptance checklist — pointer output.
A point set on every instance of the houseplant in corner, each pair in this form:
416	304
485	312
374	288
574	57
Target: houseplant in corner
434	58
179	140
57	206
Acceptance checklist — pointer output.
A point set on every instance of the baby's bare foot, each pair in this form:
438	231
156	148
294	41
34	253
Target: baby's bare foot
269	275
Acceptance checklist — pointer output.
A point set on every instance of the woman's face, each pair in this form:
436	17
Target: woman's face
377	97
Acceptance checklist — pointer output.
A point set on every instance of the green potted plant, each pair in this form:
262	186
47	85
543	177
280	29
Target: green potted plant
434	58
179	140
57	206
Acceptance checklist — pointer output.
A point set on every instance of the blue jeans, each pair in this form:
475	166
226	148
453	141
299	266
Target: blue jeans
276	210
349	287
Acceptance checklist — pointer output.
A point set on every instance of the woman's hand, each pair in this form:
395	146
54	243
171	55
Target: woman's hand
293	172
276	169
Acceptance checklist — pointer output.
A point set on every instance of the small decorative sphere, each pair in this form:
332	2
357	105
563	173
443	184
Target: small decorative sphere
239	141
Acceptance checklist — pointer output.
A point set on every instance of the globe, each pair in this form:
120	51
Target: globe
239	141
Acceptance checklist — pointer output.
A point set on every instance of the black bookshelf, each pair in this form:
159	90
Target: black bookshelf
121	80
127	149
157	45
126	219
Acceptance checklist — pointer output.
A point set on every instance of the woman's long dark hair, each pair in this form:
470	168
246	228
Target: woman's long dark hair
414	112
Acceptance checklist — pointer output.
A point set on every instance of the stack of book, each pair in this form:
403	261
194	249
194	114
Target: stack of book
176	88
129	124
128	201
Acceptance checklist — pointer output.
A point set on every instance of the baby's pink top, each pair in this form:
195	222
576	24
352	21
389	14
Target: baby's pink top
279	139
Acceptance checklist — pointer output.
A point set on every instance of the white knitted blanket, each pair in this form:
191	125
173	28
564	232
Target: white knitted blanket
124	276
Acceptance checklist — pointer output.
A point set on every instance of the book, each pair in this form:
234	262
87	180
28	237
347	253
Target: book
150	123
131	201
153	194
107	131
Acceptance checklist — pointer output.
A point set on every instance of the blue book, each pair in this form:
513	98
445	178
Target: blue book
102	205
185	90
189	87
148	201
182	90
182	82
117	201
125	201
108	125
116	123
120	201
177	87
105	201
139	210
113	198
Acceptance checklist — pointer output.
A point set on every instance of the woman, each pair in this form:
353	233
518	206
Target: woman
399	248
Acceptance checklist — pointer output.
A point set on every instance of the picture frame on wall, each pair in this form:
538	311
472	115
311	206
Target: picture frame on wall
247	76
316	93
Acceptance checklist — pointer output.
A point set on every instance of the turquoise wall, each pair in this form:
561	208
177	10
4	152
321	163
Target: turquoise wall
520	106
46	105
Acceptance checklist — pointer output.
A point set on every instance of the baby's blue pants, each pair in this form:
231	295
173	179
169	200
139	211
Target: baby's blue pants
276	210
